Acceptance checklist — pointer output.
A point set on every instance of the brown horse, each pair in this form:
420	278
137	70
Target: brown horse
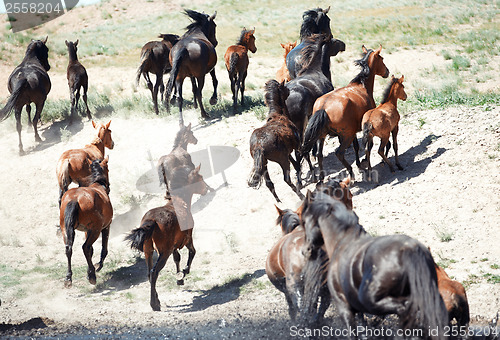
194	56
282	74
382	121
274	141
73	166
382	275
29	83
454	297
169	228
155	59
236	59
339	112
285	261
77	78
87	209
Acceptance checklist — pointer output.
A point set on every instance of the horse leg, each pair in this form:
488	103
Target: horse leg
72	99
213	99
233	90
180	101
28	111
269	183
368	150
38	113
19	128
192	253
85	88
154	93
201	82
319	156
77	99
355	145
69	252
340	152
395	145
160	263
292	307
194	87
177	261
148	255
298	160
285	166
88	250
104	250
243	77
307	157
381	149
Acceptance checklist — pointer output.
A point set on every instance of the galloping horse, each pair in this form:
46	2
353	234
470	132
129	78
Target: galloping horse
382	121
376	275
77	78
236	59
311	83
282	74
87	209
72	166
274	141
169	228
314	21
339	113
29	83
155	59
194	56
285	261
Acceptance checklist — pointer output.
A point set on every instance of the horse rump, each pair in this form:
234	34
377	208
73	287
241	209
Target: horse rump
138	236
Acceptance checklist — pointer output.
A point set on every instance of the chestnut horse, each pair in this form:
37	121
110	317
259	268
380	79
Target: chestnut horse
377	275
194	56
169	228
274	141
282	74
285	261
154	59
29	83
236	59
314	21
77	78
73	166
339	113
87	209
382	121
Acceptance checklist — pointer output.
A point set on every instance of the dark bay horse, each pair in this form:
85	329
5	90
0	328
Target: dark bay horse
382	121
339	113
274	141
72	166
282	74
77	78
87	209
314	21
194	56
285	261
376	275
236	60
312	82
155	59
169	228
29	83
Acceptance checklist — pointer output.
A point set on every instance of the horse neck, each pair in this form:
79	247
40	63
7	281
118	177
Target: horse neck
185	196
182	143
99	144
72	55
334	239
325	63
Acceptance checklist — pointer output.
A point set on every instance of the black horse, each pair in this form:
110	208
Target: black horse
194	56
77	78
314	21
29	83
311	83
377	275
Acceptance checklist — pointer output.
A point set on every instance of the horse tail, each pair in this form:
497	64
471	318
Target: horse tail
144	57
71	221
313	284
367	129
11	102
233	62
258	169
176	64
138	236
425	302
63	173
315	128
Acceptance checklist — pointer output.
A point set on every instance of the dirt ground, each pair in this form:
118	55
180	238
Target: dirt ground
447	196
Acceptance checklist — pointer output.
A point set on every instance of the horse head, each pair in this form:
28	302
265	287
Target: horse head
287	219
40	51
104	133
72	49
196	181
376	62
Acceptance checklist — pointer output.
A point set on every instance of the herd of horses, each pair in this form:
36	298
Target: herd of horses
324	255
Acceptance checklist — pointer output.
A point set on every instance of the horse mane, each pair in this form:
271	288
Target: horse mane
312	49
179	136
179	177
387	91
98	174
72	51
289	219
275	95
96	141
241	40
200	21
309	25
365	69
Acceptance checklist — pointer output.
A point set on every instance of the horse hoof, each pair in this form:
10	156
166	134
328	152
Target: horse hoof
92	280
68	284
213	100
156	307
205	116
180	282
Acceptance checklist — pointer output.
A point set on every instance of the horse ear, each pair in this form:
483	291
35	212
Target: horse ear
402	79
105	160
379	48
94	124
67	44
197	169
280	212
213	16
294	43
189	126
76	42
347	182
45	40
326	10
282	45
107	125
365	51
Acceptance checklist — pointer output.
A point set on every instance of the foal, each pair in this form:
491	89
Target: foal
77	78
382	121
236	59
274	141
282	74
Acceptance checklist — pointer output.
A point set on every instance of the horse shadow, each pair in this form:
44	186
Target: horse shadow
220	294
123	277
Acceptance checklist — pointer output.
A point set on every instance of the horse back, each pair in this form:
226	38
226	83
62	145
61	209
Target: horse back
37	79
201	56
76	74
383	119
242	53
